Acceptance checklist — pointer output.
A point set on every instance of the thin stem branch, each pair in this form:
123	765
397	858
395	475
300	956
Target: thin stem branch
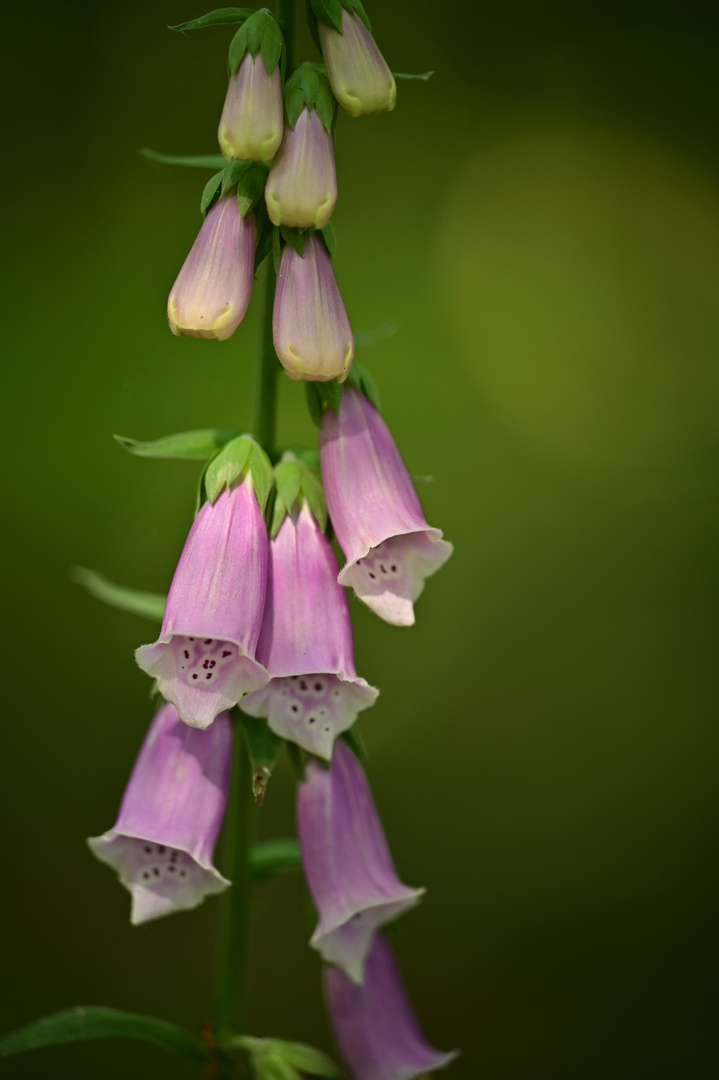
240	830
266	365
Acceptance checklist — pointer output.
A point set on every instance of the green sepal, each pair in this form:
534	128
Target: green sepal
296	484
425	76
310	457
360	378
330	12
199	161
271	857
353	737
185	446
211	191
327	233
295	238
277	1059
220	17
265	747
237	458
149	605
308	88
260	31
321	396
94	1022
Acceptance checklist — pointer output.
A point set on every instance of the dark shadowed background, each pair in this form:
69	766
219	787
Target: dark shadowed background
541	220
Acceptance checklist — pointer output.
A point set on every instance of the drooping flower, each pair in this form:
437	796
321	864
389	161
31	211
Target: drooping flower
375	1025
163	840
310	328
301	189
306	642
213	289
347	863
358	73
252	116
375	512
204	660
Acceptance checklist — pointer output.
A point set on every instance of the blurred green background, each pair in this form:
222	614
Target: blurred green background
542	222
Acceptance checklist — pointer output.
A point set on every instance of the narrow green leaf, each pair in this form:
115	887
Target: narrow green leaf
328	12
185	446
265	747
200	161
275	1059
220	17
353	738
331	392
210	191
360	378
308	1060
425	76
378	333
328	235
296	238
314	403
227	466
251	186
92	1022
148	604
272	857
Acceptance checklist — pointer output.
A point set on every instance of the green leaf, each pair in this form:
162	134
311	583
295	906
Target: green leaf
220	17
260	31
185	446
308	1060
200	161
251	186
378	333
272	857
314	403
277	1059
148	604
328	12
295	238
360	378
311	458
331	392
210	191
308	88
265	747
353	737
92	1022
356	7
295	484
425	76
238	457
328	235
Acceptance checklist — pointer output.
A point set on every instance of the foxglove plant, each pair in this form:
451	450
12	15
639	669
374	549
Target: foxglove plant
255	650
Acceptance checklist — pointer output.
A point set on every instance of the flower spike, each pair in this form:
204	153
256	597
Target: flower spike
375	512
162	842
374	1024
347	863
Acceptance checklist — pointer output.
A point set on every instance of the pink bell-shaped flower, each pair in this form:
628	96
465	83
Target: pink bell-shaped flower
301	189
310	328
204	660
375	1025
213	289
306	642
347	863
252	117
375	512
356	69
163	840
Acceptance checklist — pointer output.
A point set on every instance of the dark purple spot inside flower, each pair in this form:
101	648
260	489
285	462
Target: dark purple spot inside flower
208	641
183	873
172	868
303	684
146	875
319	687
194	676
372	575
186	654
383	568
160	849
147	849
208	675
295	709
209	664
393	568
311	720
155	871
226	653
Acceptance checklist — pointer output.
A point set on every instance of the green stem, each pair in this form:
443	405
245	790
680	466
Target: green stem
239	834
266	365
288	25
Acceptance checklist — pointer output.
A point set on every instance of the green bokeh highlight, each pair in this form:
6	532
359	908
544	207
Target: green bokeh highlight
542	221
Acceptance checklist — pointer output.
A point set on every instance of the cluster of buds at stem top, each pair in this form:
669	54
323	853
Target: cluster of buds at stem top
375	512
310	328
358	73
163	840
251	122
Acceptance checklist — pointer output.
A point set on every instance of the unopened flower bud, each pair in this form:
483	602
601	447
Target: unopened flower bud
251	122
301	189
356	69
310	328
214	286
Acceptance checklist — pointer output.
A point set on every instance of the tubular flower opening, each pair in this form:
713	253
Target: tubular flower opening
356	69
301	189
310	328
306	643
213	289
162	843
375	1025
252	117
347	863
204	660
375	512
